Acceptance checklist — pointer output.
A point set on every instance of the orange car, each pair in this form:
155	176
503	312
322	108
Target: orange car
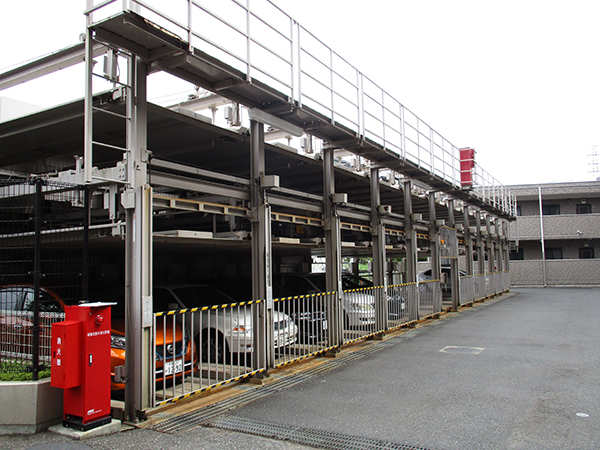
174	353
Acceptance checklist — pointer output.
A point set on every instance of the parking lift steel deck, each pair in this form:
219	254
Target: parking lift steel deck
400	197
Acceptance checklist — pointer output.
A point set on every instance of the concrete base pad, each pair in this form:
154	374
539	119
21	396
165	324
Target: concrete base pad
110	428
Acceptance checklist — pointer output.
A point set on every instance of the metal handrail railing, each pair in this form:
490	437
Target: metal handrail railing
312	74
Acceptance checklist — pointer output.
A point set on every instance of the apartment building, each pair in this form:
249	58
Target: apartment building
556	234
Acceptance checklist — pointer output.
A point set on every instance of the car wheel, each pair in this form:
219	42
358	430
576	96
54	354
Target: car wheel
212	347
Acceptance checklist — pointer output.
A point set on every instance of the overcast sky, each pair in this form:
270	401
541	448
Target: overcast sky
516	80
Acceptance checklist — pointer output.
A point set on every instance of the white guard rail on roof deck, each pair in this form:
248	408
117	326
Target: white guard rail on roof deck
265	43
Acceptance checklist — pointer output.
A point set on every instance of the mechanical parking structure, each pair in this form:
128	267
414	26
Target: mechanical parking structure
315	163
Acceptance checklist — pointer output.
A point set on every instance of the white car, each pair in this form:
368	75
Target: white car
219	333
358	305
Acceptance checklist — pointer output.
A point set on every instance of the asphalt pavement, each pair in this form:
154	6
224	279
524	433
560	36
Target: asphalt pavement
518	372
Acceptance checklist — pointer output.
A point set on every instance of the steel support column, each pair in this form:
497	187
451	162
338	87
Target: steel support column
468	242
333	250
260	217
410	235
379	254
88	105
506	246
489	244
480	248
498	247
137	200
454	275
505	255
434	243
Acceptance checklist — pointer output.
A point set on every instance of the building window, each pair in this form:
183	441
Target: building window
519	211
554	253
550	210
584	208
517	255
586	253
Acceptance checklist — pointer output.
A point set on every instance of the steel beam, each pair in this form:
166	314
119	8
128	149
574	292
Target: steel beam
498	248
47	64
480	248
468	242
489	243
410	236
196	185
333	250
137	200
264	117
379	254
434	242
506	246
88	130
260	218
454	274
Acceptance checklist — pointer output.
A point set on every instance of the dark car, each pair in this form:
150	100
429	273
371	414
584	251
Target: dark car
308	313
358	307
16	318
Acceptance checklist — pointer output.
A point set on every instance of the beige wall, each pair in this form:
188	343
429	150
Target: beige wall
559	272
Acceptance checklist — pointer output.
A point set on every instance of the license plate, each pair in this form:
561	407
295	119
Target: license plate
169	367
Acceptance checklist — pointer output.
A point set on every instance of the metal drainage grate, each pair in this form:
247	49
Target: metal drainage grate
304	436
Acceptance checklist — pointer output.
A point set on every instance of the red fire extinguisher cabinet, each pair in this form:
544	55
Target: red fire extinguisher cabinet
467	164
81	364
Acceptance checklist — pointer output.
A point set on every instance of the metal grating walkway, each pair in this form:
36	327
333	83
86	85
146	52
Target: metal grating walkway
304	436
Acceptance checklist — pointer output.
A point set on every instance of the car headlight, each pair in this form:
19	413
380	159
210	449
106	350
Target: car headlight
308	316
360	306
117	341
242	329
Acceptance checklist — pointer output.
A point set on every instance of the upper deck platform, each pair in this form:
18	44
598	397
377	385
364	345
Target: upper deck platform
268	61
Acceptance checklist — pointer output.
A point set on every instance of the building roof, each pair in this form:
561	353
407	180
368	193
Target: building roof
575	189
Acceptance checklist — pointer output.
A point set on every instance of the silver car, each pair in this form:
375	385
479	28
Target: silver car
358	304
221	331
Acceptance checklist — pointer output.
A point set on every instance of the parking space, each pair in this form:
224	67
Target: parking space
518	372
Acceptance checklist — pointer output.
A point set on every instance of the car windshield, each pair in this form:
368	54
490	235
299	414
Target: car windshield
198	296
351	281
318	279
22	297
47	303
9	297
